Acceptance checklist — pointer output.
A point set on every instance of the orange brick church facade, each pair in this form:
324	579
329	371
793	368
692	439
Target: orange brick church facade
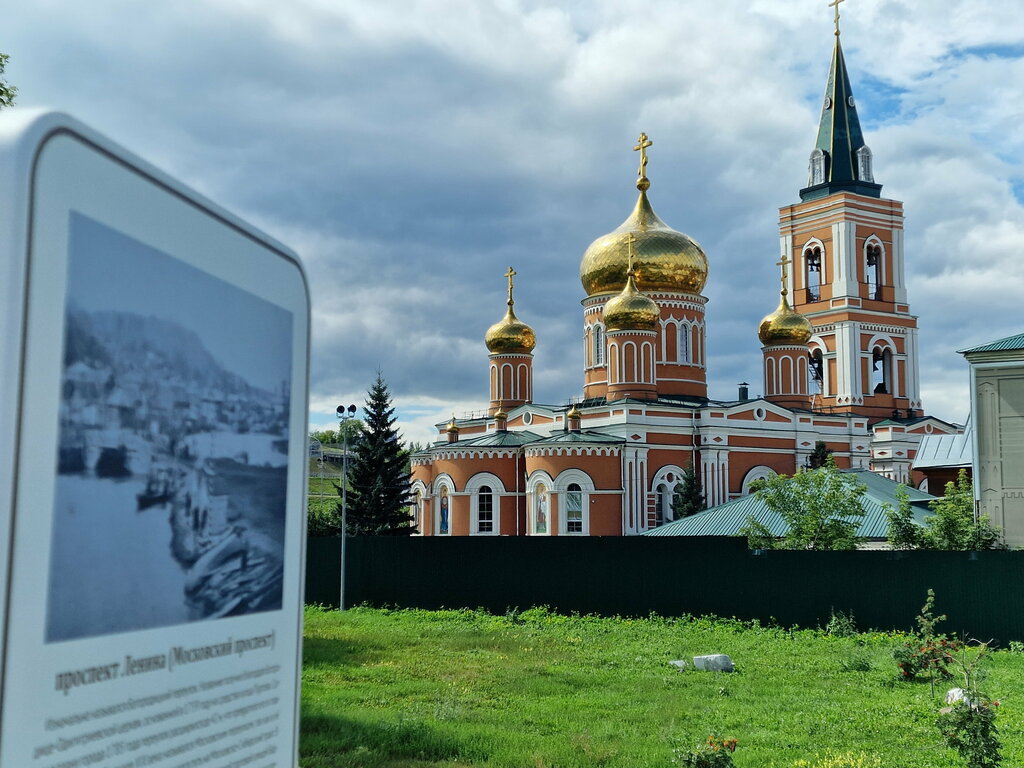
839	355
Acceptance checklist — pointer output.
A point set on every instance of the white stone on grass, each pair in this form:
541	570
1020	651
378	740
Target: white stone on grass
717	662
679	664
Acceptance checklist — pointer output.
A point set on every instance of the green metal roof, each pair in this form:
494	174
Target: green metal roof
490	440
727	519
583	436
1010	343
839	136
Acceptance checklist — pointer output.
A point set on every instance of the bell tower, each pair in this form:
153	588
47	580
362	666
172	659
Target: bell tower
846	244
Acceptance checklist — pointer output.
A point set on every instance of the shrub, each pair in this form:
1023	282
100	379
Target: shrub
926	651
716	752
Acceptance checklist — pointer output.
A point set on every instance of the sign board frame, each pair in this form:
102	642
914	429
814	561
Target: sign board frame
151	574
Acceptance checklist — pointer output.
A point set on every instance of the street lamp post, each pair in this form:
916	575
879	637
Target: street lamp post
344	414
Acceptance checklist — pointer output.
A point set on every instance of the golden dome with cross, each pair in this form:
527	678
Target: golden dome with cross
785	325
510	335
666	260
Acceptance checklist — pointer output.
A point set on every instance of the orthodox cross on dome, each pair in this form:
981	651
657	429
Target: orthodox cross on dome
510	274
785	274
835	4
642	144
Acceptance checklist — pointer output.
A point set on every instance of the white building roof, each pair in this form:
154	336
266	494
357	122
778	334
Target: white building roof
946	450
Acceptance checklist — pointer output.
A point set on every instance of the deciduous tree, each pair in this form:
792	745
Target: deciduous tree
822	509
952	525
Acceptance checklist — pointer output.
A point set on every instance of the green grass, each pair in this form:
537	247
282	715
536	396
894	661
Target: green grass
421	689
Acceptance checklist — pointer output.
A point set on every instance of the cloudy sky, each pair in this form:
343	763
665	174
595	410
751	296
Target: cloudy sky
410	150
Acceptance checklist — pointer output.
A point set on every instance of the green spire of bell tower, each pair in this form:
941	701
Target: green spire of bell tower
841	161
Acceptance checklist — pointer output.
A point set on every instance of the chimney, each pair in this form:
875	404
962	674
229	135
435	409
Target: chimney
744	391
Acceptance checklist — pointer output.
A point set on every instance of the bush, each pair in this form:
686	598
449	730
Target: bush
716	752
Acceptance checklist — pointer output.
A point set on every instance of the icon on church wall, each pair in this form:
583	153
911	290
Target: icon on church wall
443	527
541	496
170	502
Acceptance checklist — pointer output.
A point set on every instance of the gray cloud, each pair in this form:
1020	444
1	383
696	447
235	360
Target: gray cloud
412	151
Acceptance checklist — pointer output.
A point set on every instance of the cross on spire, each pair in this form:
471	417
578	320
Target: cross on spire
510	274
785	274
835	4
642	144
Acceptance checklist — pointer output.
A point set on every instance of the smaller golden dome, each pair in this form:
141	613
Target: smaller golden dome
501	416
511	335
574	413
784	326
452	427
631	310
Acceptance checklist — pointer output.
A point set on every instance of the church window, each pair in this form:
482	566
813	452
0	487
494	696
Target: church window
598	345
664	498
816	385
864	172
812	272
485	510
816	170
873	270
574	509
417	502
881	371
684	343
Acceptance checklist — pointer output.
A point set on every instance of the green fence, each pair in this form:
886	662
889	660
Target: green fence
634	576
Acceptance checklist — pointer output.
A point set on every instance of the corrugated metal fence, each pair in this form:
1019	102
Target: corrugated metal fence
981	592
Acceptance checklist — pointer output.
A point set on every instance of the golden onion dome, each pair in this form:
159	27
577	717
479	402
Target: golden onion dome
631	310
666	260
452	427
574	413
784	326
511	335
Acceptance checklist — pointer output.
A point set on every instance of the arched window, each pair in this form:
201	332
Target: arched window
684	343
662	505
573	509
816	370
598	345
485	510
415	508
864	172
444	512
812	272
873	270
816	169
881	371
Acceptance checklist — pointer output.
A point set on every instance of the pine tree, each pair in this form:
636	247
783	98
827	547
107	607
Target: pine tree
689	496
379	483
7	91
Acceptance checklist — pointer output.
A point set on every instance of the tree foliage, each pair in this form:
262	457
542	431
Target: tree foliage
822	509
352	428
689	496
819	457
379	483
7	91
952	526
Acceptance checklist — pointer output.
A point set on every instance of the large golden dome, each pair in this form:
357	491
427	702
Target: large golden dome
631	310
666	260
511	335
784	326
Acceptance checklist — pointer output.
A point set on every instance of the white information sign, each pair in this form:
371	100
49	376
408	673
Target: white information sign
153	382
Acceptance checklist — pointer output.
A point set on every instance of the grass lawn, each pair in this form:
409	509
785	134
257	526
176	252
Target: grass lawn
421	689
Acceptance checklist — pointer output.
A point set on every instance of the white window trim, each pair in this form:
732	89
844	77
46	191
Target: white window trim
537	478
473	486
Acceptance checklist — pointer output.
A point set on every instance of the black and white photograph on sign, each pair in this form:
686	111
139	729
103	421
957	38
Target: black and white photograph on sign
170	497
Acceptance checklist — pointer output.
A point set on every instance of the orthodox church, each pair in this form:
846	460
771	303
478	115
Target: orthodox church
840	367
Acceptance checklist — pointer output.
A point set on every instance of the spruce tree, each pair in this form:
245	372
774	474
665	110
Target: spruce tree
689	496
379	483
